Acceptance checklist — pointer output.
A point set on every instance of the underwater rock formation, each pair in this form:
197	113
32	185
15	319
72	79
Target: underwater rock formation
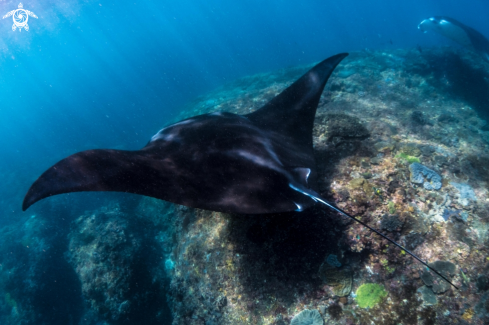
447	214
121	274
446	268
34	274
420	118
466	194
429	298
339	278
391	223
341	127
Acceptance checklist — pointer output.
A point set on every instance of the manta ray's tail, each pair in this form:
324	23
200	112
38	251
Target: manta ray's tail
385	237
318	199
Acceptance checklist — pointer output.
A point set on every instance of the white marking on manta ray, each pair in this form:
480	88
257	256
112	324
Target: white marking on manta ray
317	199
263	140
266	144
171	136
166	137
190	120
447	29
256	159
269	149
299	207
308	173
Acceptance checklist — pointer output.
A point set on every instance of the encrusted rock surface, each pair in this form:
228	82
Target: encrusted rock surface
423	175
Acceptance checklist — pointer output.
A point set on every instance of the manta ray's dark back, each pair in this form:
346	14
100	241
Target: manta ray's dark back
257	163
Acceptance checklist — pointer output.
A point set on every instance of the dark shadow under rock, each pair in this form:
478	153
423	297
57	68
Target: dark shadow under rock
41	285
420	118
283	253
339	127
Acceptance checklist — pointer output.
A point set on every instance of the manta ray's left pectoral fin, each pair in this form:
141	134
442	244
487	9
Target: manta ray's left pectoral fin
92	170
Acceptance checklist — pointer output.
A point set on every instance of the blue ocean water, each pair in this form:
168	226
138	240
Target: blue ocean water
109	74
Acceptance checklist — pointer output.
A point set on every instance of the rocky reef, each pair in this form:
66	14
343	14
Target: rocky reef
401	143
74	266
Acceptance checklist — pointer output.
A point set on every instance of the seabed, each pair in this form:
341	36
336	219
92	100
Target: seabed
401	142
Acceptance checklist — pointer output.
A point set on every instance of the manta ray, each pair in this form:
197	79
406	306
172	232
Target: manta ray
458	32
258	163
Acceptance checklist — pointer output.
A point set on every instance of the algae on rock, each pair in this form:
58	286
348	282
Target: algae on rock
370	294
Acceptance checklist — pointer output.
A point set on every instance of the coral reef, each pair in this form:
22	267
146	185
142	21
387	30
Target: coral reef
118	272
413	116
420	118
307	317
423	175
429	298
391	223
369	295
339	278
438	286
409	159
466	193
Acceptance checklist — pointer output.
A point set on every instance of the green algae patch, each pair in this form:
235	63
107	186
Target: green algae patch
392	207
370	294
409	159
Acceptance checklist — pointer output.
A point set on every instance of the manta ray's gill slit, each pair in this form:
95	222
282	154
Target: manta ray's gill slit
331	206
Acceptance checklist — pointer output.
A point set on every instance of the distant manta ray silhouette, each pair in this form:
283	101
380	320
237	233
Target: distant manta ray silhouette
258	163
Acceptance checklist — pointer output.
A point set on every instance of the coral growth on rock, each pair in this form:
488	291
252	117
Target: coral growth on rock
369	295
307	317
423	175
